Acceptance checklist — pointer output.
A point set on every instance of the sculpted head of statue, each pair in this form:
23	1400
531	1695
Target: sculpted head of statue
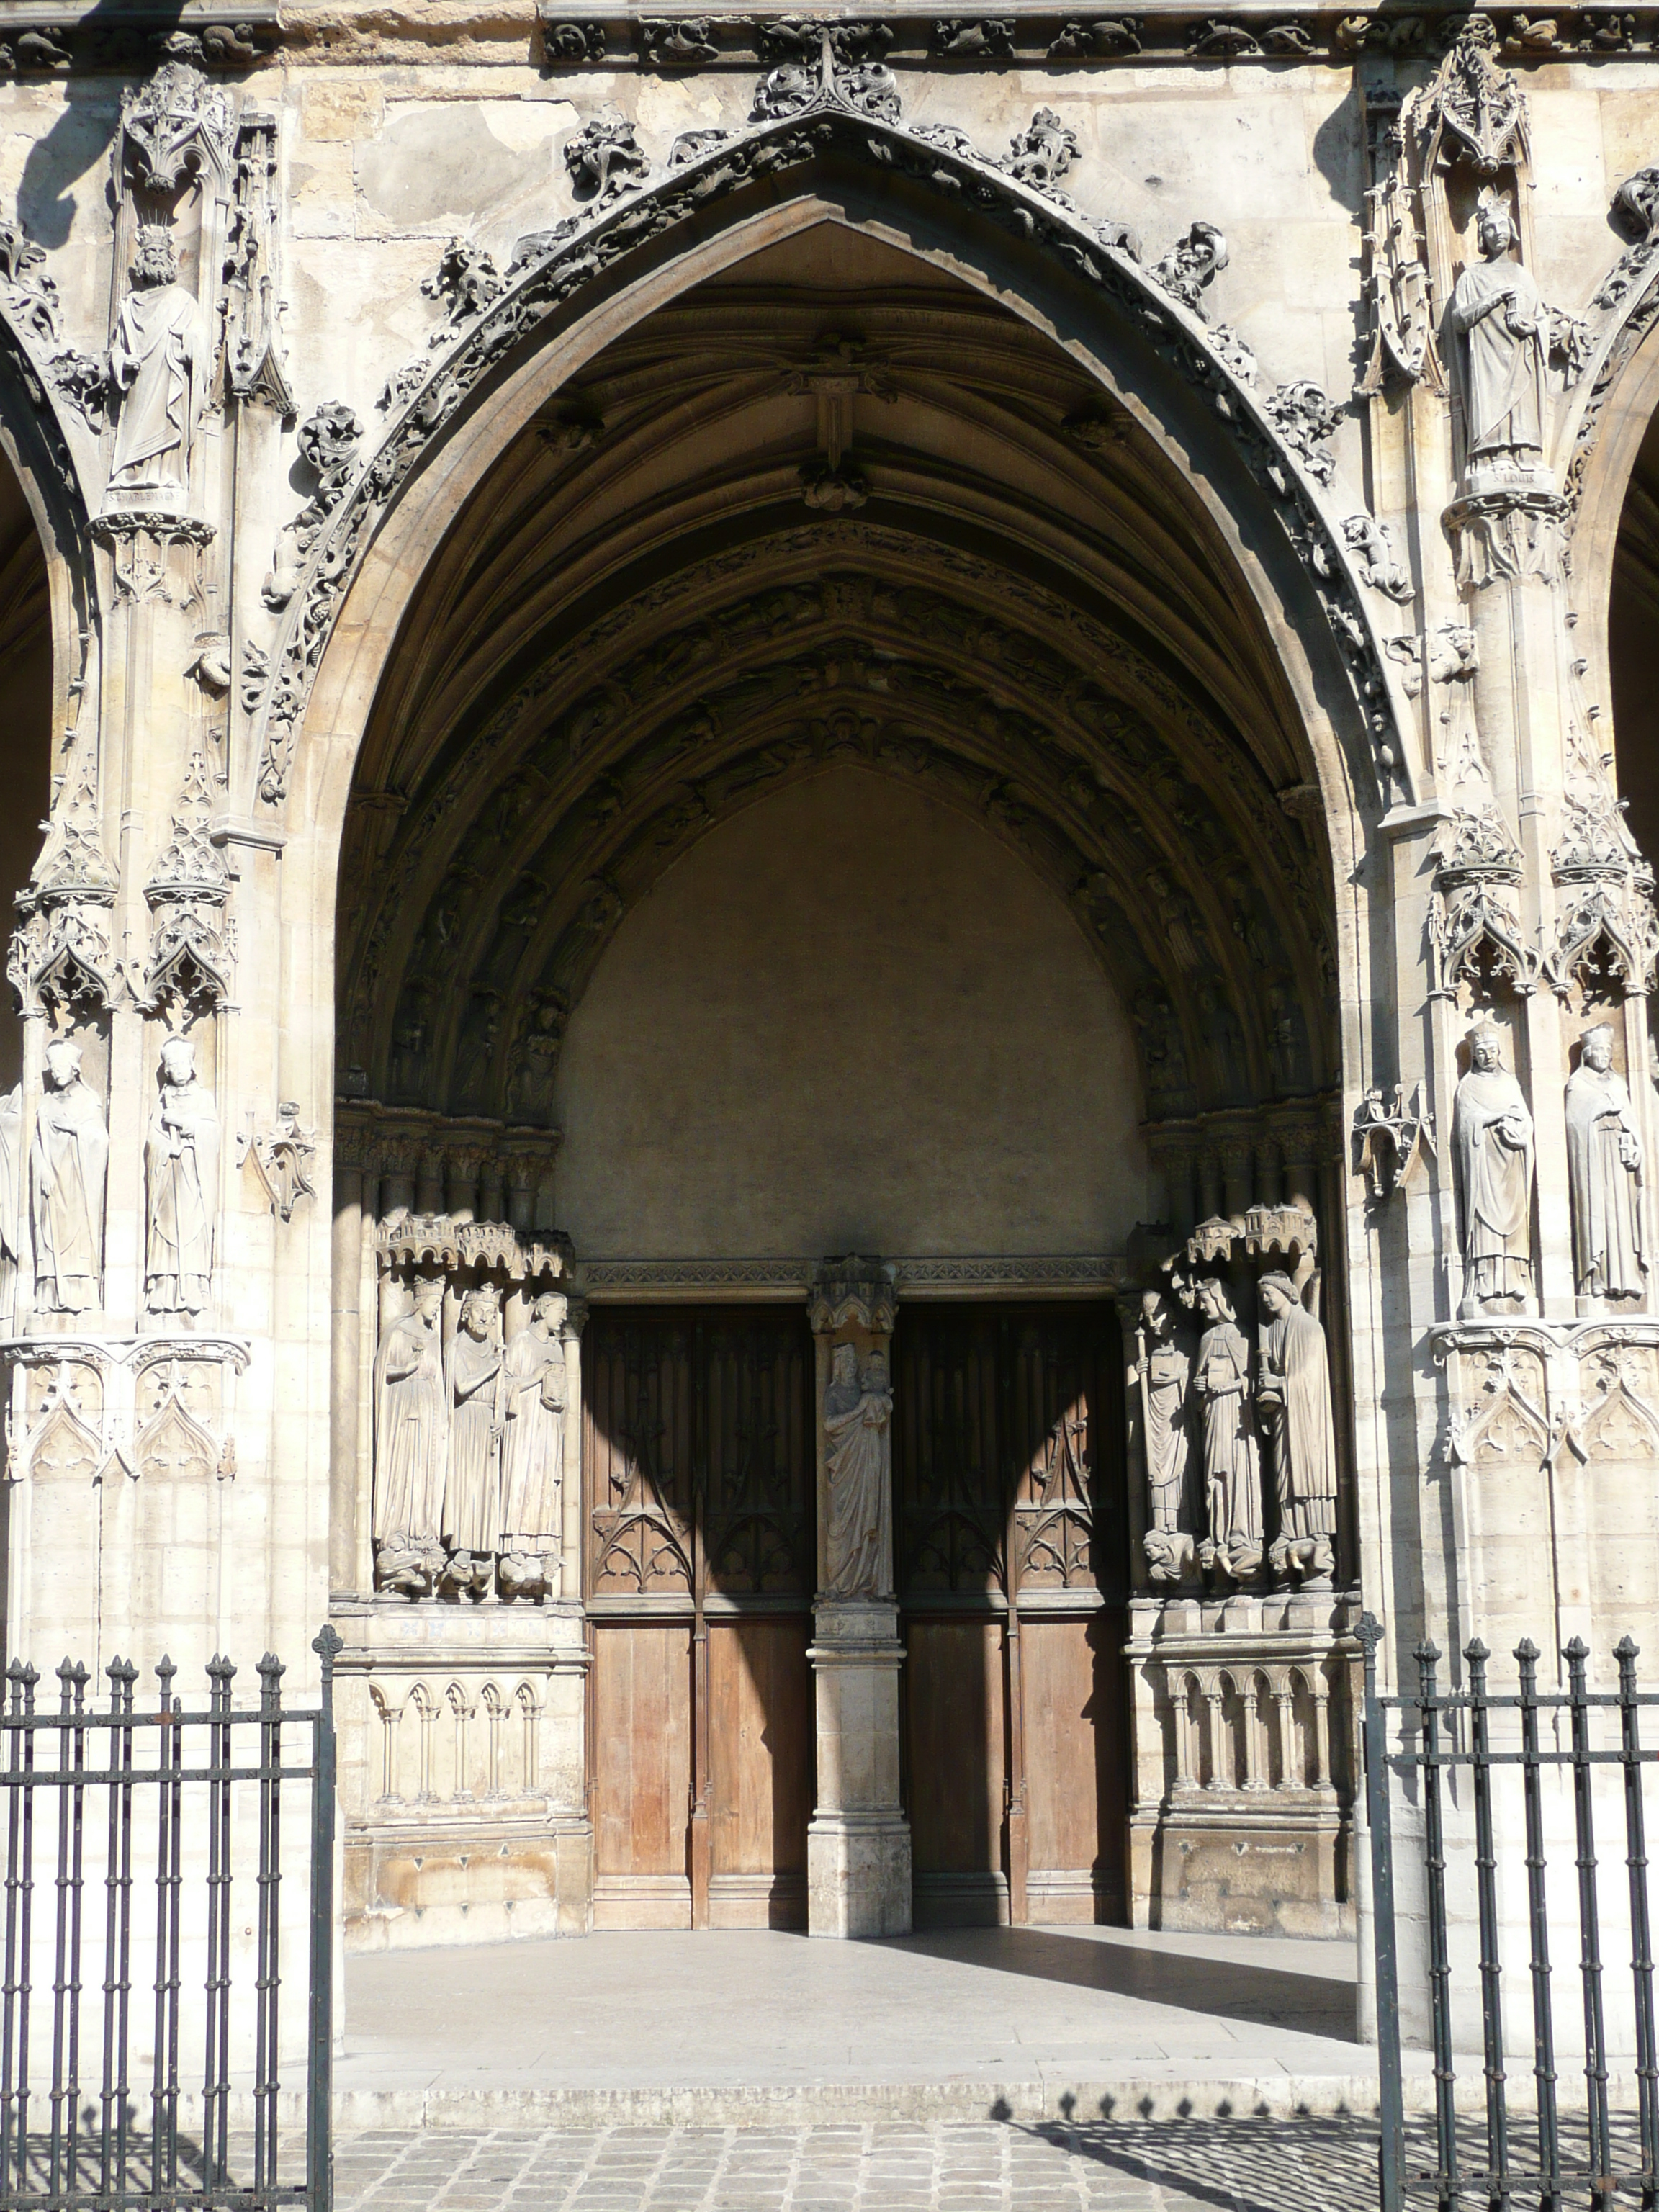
1485	1050
178	1061
155	259
1277	1293
428	1295
62	1063
478	1309
549	1310
1595	1048
1494	229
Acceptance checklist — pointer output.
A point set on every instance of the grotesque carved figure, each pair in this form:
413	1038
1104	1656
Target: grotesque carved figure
1293	1404
412	1434
1500	348
1492	1145
69	1163
181	1163
159	362
1162	1370
533	1451
1232	1474
1604	1163
472	1516
857	1415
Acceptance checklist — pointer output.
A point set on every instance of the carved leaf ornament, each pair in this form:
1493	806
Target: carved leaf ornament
839	100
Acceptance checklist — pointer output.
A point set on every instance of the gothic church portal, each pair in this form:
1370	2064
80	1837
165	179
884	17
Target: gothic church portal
838	988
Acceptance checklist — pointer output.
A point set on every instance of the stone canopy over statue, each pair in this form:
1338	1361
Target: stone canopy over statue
1492	1148
1604	1166
1499	330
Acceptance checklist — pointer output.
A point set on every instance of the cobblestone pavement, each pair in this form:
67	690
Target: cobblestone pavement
1243	2165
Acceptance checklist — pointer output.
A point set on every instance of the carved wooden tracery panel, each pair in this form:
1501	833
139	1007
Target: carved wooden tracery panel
1002	1420
699	1453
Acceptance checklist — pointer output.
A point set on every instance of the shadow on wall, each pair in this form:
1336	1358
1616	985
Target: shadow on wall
75	146
26	673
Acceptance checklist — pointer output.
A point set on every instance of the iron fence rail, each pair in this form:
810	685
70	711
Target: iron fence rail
1443	1730
116	1781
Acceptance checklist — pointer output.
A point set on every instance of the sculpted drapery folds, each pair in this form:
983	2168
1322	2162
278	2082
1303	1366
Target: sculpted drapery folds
1162	1371
1492	1147
69	1163
411	1435
1500	349
1293	1404
181	1169
1604	1164
160	358
857	1413
1232	1473
532	1448
471	1515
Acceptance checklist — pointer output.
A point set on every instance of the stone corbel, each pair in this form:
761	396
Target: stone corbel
282	1159
1390	1137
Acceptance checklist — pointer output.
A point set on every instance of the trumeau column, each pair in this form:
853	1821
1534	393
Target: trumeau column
858	1850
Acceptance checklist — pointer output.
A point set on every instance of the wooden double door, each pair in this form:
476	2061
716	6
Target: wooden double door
1010	1551
699	1465
1011	1555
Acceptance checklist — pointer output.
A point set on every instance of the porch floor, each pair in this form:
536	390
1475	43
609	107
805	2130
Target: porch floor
716	2028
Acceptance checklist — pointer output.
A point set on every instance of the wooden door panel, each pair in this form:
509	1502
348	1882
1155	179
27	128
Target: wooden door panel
761	1747
1076	1787
642	1798
955	1726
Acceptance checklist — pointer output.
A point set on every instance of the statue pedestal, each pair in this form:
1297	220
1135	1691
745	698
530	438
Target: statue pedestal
858	1848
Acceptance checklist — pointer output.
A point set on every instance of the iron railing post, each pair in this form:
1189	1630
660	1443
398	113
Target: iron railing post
319	2087
1543	2024
1589	1933
1447	2186
1485	1871
1641	1933
1391	2103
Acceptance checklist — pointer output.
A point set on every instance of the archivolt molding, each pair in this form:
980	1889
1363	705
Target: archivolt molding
498	899
1623	311
850	112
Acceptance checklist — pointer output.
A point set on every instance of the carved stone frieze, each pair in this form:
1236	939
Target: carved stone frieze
156	1408
1524	1392
155	555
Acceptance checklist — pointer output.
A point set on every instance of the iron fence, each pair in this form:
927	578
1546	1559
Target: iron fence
151	1840
1545	2156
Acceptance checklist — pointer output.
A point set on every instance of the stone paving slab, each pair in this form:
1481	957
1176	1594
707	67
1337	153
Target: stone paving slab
1241	2164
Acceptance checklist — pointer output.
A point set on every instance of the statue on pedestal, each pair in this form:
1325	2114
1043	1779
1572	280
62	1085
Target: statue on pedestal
69	1163
411	1431
1232	1473
1604	1166
1492	1147
1293	1404
181	1164
533	1451
1161	1374
472	1516
858	1412
1499	329
159	362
